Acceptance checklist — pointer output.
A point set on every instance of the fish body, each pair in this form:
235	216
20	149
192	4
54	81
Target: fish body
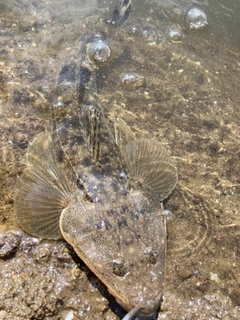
99	190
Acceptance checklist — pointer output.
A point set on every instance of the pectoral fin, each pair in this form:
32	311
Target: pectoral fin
148	162
42	191
150	167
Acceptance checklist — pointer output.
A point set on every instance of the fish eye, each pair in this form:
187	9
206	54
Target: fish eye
98	51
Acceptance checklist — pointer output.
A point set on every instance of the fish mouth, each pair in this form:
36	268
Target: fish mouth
146	309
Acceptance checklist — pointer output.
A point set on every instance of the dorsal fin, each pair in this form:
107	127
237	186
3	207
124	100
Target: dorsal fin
91	119
123	134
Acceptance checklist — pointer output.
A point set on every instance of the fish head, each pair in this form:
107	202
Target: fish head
123	244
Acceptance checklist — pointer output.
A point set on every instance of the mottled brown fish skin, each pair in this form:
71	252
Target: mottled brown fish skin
106	191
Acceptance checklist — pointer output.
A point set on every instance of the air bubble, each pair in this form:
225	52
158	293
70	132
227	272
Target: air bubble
123	175
150	35
132	79
195	18
174	34
98	51
58	104
168	214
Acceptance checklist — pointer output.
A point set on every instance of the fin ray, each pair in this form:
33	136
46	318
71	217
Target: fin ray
91	118
149	164
150	167
123	134
42	191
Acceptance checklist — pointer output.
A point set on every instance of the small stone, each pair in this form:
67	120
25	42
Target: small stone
76	273
3	315
42	254
70	315
185	273
9	243
214	277
63	254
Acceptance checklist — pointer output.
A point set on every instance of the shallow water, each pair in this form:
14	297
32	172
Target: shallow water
189	101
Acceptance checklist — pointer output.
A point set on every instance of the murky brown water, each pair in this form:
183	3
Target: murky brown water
189	101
